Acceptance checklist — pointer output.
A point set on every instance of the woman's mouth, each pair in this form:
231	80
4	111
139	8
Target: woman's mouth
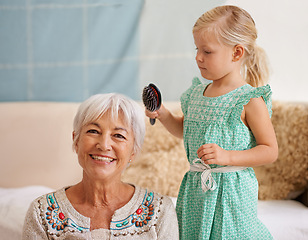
102	159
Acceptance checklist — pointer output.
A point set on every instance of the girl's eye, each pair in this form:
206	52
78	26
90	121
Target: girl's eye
204	51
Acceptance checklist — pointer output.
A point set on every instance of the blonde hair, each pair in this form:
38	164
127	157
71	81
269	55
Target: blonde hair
233	26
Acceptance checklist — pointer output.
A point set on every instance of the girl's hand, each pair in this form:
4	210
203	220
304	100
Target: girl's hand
213	154
158	114
152	115
173	123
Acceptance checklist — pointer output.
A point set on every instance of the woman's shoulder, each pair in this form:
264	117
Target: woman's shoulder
166	218
166	201
150	200
45	216
147	204
58	215
50	205
43	199
150	195
146	212
162	207
51	197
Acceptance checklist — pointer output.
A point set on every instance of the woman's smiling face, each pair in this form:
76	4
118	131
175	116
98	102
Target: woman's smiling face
105	147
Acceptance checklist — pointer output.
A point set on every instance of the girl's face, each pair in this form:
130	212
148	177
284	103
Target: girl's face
105	147
213	58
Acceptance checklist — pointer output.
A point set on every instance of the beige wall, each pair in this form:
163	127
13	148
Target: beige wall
283	33
167	47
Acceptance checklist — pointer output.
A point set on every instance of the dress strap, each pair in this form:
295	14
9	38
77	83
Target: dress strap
207	181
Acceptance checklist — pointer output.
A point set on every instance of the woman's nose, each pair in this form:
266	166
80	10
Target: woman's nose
104	143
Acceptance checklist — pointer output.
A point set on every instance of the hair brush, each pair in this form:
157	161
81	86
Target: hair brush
151	99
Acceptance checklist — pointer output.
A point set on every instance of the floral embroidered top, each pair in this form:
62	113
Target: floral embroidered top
148	215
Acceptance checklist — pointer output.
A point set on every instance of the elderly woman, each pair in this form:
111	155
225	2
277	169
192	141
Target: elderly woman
108	134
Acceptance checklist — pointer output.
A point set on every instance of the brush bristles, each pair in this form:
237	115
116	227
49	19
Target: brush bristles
149	98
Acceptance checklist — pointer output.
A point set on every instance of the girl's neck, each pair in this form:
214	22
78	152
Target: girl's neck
223	86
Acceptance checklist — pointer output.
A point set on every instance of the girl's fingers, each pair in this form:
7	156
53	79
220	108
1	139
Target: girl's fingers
207	157
151	114
205	149
207	153
201	149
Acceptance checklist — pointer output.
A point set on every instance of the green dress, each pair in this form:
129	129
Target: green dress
229	211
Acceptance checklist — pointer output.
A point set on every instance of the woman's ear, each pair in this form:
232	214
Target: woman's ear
132	157
75	144
238	53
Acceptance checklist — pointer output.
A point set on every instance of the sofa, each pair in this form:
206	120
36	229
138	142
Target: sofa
37	157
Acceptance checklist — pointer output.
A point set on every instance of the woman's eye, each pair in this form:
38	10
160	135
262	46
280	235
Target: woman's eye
119	136
92	131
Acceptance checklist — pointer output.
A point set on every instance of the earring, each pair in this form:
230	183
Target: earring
128	164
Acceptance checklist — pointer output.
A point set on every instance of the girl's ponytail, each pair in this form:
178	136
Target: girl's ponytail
232	26
255	67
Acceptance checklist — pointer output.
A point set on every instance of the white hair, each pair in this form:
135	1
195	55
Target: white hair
97	105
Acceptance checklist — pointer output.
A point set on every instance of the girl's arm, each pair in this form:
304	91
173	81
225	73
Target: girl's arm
258	120
174	124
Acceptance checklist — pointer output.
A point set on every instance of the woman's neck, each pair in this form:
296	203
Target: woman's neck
99	201
98	194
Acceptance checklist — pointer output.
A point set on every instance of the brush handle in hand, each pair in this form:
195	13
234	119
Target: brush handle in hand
152	121
151	99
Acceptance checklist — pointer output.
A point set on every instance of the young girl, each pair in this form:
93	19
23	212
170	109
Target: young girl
226	129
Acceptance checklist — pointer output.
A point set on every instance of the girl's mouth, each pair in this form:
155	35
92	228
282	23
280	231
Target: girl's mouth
102	159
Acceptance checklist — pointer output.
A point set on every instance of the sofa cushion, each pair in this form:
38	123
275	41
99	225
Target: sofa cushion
163	163
288	176
35	146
